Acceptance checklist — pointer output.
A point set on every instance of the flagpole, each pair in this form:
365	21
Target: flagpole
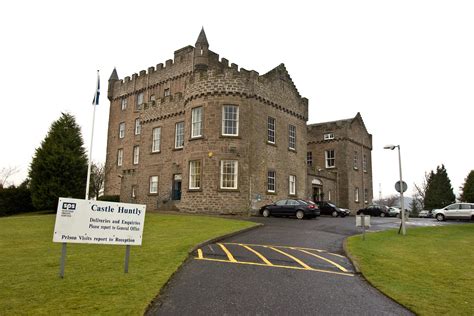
95	103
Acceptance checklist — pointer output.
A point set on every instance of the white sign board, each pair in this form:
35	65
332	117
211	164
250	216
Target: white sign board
98	222
359	220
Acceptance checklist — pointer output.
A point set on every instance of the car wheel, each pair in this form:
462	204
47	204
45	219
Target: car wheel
440	217
334	214
266	213
299	214
382	214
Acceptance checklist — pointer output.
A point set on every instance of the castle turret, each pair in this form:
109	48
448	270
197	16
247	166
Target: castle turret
201	52
113	77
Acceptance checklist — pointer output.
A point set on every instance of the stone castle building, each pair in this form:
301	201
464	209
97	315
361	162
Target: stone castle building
201	135
340	163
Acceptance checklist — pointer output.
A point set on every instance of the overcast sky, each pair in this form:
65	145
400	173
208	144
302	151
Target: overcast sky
406	66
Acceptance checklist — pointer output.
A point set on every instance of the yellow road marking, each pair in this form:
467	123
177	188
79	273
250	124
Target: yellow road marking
325	259
276	266
258	254
227	252
288	247
304	265
200	254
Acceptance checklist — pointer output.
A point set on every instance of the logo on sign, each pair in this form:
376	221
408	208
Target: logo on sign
68	206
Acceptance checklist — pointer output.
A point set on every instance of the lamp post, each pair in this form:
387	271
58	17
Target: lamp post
402	200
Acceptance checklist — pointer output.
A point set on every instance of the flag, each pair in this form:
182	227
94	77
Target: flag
95	101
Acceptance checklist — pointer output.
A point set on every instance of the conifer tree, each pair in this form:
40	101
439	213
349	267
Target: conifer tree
59	166
467	190
439	192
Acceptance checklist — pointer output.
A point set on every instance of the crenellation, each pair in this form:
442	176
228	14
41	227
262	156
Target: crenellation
225	62
169	63
235	67
127	79
151	70
142	73
159	66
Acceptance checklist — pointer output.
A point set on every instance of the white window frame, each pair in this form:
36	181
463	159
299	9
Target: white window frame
156	140
292	184
230	116
328	159
140	100
120	157
233	177
133	194
196	122
329	195
366	195
364	163
271	130
309	158
122	130
179	135
153	185
356	194
356	160
328	136
136	154
138	126
271	181
291	137
166	92
195	174
124	104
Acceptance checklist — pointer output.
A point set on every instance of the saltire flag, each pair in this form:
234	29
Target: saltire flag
97	92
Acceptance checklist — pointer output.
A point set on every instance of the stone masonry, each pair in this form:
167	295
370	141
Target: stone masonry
230	172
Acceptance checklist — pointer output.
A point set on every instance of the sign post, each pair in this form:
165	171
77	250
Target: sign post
97	222
363	221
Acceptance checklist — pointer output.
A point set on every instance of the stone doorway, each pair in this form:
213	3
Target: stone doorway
176	192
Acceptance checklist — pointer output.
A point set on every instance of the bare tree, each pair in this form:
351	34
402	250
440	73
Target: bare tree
97	179
5	174
388	201
420	190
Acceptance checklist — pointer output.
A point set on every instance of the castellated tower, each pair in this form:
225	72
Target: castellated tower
199	135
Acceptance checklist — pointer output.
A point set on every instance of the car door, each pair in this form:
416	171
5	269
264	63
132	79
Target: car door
464	211
291	206
452	211
280	207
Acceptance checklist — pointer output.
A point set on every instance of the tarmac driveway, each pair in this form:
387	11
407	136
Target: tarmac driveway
288	266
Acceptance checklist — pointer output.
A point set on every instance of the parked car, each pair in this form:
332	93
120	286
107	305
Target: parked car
425	213
395	212
327	208
374	210
455	211
291	207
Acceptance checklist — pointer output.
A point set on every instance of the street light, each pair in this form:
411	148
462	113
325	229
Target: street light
402	200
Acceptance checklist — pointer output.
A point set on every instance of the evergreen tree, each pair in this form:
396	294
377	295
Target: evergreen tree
59	166
467	190
439	192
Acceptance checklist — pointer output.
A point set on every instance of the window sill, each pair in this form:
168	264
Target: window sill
292	150
195	138
230	136
271	144
271	193
194	190
332	167
155	152
153	194
178	149
227	190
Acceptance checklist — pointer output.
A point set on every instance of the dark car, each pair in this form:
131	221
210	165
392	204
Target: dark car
290	207
374	210
327	208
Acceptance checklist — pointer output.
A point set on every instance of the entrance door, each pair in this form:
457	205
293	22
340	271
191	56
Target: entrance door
176	194
317	193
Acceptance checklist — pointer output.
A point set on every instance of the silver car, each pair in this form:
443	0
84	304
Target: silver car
455	211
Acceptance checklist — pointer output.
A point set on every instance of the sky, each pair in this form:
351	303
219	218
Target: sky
406	66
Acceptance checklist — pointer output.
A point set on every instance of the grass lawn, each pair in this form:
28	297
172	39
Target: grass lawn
430	270
94	280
